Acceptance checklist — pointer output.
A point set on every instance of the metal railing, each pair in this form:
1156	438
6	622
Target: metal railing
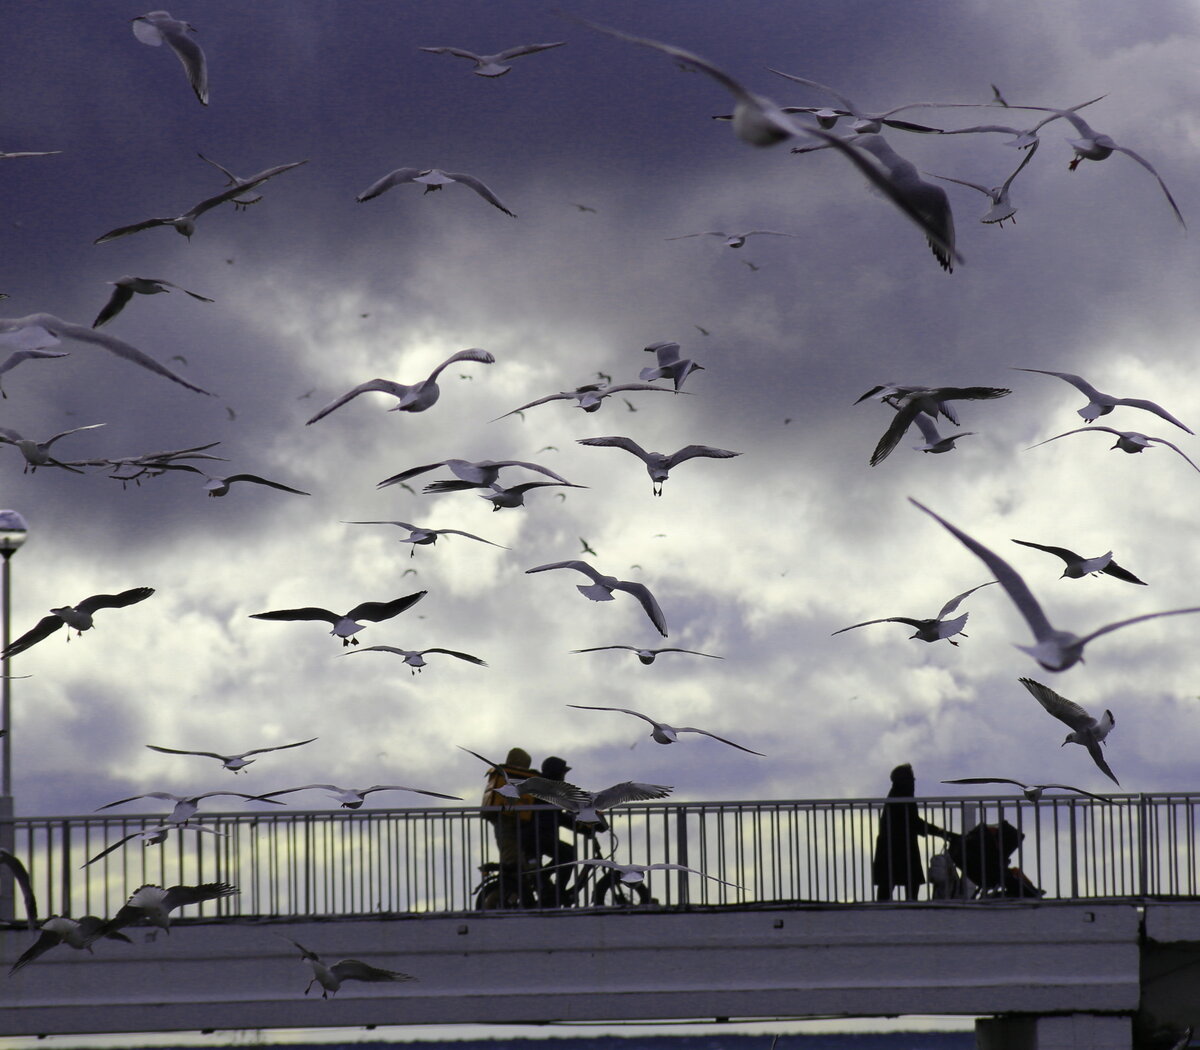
413	861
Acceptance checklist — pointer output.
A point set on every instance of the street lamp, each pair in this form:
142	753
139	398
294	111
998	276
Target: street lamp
13	531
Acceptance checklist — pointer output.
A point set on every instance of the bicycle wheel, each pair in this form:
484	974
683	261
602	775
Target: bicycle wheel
611	891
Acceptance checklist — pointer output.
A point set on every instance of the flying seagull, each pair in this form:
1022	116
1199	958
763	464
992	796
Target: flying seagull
1100	404
74	933
505	498
415	398
1055	650
1002	207
17	356
1022	138
863	123
158	28
1130	441
588	808
1033	792
38	331
934	442
658	464
589	397
431	179
910	401
634	873
5	155
670	364
37	453
344	624
646	656
154	905
422	535
185	224
415	658
931	630
124	289
1079	567
1085	730
186	805
492	65
330	978
732	240
152	836
480	474
218	486
234	763
601	589
353	798
78	617
663	733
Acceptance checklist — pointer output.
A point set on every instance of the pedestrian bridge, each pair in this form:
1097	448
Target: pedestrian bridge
1116	932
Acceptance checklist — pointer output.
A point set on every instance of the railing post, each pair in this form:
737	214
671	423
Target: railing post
8	841
681	851
1074	853
64	839
1143	837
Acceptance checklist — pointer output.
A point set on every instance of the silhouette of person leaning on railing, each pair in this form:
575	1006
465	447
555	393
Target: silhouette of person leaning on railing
511	827
897	860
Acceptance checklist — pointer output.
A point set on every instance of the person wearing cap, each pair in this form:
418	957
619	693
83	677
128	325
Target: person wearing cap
543	841
511	827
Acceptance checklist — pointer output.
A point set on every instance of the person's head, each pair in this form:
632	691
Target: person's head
554	768
903	779
519	757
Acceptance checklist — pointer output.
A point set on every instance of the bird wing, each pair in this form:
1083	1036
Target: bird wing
953	603
1150	406
1060	707
1136	619
412	472
401	787
905	414
242	186
470	536
385	386
887	619
277	747
458	52
17	356
462	656
109	849
1061	552
694	871
137	227
1068	787
45	627
623	710
1171	445
988	780
1080	384
1086	430
354	970
705	732
580	566
628	444
377	611
1093	749
471	354
1113	569
533	404
176	751
525	49
642	593
692	451
307	613
534	467
43	944
392	178
481	189
254	478
178	896
1162	185
556	792
114	601
629	791
116	303
851	109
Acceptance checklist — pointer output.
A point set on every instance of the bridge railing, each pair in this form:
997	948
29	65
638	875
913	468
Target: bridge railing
394	861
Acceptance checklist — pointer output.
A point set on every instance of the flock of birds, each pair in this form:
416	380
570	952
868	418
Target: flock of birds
858	137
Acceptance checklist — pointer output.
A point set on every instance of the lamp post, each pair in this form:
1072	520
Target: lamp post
13	532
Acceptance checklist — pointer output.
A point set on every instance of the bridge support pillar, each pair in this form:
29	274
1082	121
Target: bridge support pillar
1054	1032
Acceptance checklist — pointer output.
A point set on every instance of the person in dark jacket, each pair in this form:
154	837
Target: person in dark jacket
897	860
542	836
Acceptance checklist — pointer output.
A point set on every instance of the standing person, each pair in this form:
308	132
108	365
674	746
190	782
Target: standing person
897	860
511	836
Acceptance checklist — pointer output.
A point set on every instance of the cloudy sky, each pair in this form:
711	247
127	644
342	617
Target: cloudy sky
757	559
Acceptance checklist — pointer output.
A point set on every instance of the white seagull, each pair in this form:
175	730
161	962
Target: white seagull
477	474
1100	404
37	453
152	836
219	486
934	442
910	401
646	656
1079	566
1085	730
185	805
657	463
59	929
234	763
505	498
670	364
154	905
1002	207
1022	138
77	617
415	658
1130	441
492	65
353	798
1033	792
588	397
239	203
330	978
158	28
431	179
732	240
931	630
415	398
590	806
863	123
634	873
17	356
185	224
124	289
661	732
1055	650
345	625
601	589
38	331
423	535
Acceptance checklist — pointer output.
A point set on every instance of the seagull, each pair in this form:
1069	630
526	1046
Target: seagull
657	463
587	809
154	905
38	331
153	836
124	289
732	240
1102	404
185	224
647	656
78	617
1022	138
1033	792
158	28
344	625
415	658
670	364
1002	206
492	65
588	397
863	123
17	356
934	442
431	179
239	203
330	978
513	787
934	629
759	121
913	400
415	398
1055	650
74	933
1085	730
1130	441
27	153
506	498
234	763
634	873
185	805
353	798
218	486
601	589
1079	567
481	474
420	534
894	394
666	734
37	453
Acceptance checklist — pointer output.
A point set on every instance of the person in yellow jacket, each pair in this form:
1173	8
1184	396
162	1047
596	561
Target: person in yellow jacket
510	825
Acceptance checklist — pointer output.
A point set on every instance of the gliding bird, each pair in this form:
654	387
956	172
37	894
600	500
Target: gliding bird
589	397
646	656
124	289
661	732
345	625
158	28
1085	730
234	763
909	401
353	798
154	905
37	453
185	805
415	658
481	474
1102	404
431	179
670	364
492	65
1079	566
78	617
1002	206
419	534
1033	792
1130	441
930	630
601	589
330	978
657	464
732	240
